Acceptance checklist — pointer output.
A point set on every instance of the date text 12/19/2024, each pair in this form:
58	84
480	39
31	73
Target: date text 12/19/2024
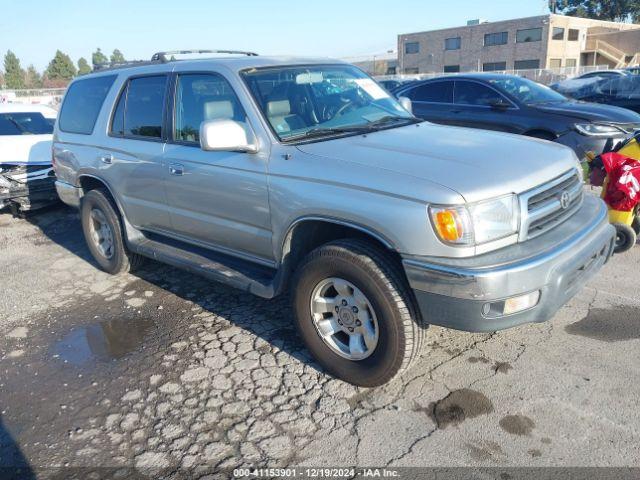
315	473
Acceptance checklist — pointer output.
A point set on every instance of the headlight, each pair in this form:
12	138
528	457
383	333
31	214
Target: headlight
597	130
476	223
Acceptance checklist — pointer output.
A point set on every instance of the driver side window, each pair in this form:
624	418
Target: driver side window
200	98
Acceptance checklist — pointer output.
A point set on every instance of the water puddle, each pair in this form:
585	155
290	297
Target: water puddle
103	341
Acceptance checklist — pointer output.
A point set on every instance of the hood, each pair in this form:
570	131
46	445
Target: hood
25	149
477	164
595	112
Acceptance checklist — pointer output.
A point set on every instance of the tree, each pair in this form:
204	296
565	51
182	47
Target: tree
117	57
83	66
13	72
60	68
98	57
32	78
612	10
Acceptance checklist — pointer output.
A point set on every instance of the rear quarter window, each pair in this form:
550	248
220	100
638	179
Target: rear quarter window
82	104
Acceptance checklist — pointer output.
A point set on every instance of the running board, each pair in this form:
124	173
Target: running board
242	274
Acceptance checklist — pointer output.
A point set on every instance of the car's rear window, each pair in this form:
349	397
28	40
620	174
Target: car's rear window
24	123
82	104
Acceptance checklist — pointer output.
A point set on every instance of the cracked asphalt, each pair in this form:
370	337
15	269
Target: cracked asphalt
164	370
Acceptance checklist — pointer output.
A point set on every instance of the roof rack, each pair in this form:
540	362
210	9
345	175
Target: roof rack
113	65
166	56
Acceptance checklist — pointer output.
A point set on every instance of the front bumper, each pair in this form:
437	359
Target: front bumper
27	186
454	293
582	144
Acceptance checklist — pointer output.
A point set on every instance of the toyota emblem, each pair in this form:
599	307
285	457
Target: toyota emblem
565	200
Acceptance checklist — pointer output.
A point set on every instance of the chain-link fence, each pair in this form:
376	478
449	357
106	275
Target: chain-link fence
40	96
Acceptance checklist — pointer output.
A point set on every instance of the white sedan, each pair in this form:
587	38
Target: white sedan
26	174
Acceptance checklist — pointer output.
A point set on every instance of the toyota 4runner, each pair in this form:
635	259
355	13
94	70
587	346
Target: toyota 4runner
270	174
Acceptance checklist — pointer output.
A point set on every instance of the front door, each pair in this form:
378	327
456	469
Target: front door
216	199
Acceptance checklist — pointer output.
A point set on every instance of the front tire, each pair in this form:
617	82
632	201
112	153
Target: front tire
355	312
103	234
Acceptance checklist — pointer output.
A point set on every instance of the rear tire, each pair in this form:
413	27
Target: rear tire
356	313
626	238
103	233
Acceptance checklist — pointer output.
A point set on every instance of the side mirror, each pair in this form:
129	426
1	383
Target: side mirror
226	136
406	104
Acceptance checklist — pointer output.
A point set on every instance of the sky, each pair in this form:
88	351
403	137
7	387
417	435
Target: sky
35	29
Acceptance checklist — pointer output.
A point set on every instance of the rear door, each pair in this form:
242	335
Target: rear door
133	165
474	107
215	199
432	101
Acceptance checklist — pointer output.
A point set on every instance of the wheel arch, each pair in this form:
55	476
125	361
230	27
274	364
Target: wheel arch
308	233
90	182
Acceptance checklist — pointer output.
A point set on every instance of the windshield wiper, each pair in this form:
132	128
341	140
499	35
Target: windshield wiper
321	132
366	128
392	119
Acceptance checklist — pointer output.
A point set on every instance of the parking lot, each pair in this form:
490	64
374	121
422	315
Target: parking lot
163	369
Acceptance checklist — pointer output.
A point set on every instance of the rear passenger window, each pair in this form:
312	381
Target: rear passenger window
437	92
82	104
145	103
203	97
140	107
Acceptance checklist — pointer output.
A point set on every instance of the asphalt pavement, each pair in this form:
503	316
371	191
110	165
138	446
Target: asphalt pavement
167	372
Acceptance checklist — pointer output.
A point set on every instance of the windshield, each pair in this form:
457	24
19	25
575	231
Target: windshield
24	123
527	91
322	100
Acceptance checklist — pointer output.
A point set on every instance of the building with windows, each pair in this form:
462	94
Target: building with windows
548	41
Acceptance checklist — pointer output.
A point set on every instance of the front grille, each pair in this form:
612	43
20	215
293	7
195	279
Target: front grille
545	209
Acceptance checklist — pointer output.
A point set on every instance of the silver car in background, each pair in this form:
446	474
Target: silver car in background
276	174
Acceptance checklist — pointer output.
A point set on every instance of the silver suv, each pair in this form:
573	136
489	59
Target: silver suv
273	174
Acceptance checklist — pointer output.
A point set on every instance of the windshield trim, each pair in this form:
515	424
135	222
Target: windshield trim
299	141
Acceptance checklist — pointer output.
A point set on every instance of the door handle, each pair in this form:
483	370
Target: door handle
176	169
107	158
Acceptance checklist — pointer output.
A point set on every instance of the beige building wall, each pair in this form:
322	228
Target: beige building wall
473	54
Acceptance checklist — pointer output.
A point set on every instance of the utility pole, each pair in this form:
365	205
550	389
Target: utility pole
553	6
